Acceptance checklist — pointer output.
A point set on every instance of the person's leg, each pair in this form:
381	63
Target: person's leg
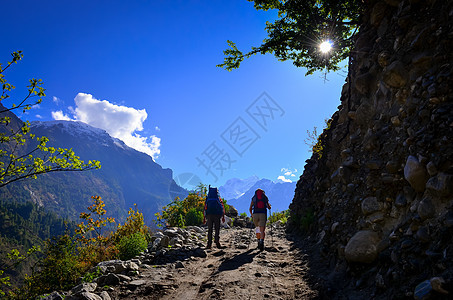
262	232
217	230
262	224
255	218
209	221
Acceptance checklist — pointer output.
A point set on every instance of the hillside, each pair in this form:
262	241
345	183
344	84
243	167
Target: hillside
22	226
127	177
380	190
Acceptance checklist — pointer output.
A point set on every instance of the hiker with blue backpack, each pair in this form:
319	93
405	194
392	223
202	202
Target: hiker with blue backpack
213	212
258	210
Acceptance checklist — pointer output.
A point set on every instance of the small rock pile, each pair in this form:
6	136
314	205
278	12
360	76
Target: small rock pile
171	246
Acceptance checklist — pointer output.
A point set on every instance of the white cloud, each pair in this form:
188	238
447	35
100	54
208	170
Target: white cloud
282	178
287	173
157	128
121	122
59	115
39	116
56	100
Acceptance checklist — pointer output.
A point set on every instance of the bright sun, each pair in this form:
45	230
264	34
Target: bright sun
325	46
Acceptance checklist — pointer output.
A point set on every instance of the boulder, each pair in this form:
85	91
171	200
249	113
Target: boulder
89	296
232	212
415	173
426	209
240	222
109	279
395	75
84	287
104	295
164	241
370	205
52	296
114	266
441	184
362	247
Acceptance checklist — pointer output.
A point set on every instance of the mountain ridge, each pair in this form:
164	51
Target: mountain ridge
280	194
127	176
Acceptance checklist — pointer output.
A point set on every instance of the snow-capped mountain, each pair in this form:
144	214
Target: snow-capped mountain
235	187
280	194
127	177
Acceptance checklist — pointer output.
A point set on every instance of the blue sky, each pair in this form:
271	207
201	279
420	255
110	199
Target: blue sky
146	72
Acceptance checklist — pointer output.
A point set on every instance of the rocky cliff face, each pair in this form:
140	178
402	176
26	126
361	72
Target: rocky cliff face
380	193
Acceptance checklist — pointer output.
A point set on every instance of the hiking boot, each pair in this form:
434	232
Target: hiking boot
208	246
218	245
261	245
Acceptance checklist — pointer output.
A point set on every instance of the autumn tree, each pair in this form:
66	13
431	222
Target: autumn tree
19	161
315	34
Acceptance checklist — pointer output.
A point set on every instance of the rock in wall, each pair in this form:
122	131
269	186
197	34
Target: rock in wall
380	189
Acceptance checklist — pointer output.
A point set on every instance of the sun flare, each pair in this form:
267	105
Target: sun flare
325	46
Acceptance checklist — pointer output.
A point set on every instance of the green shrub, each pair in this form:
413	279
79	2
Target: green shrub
175	213
194	217
243	215
225	205
279	216
132	245
58	270
304	220
90	276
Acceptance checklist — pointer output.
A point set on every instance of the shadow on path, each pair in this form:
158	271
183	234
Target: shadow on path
237	261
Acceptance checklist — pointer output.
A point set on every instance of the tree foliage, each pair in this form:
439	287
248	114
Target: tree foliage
186	212
66	258
300	28
316	142
176	214
22	154
24	227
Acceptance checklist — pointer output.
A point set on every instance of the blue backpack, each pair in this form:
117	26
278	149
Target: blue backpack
213	204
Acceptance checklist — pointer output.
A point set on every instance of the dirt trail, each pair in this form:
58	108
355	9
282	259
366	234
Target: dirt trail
234	272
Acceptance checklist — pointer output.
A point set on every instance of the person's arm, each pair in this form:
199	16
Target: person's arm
223	209
267	202
204	212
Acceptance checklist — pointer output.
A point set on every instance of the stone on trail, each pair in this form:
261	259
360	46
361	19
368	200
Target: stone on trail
84	287
89	296
109	279
136	283
241	246
105	296
53	296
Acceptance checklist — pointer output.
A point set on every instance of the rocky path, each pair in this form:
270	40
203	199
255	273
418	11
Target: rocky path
237	271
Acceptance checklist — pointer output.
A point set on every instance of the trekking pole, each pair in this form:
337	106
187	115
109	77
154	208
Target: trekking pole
272	235
251	235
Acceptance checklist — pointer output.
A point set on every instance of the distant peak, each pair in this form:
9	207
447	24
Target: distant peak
74	128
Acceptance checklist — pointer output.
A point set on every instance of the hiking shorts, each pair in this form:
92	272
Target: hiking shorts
259	219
